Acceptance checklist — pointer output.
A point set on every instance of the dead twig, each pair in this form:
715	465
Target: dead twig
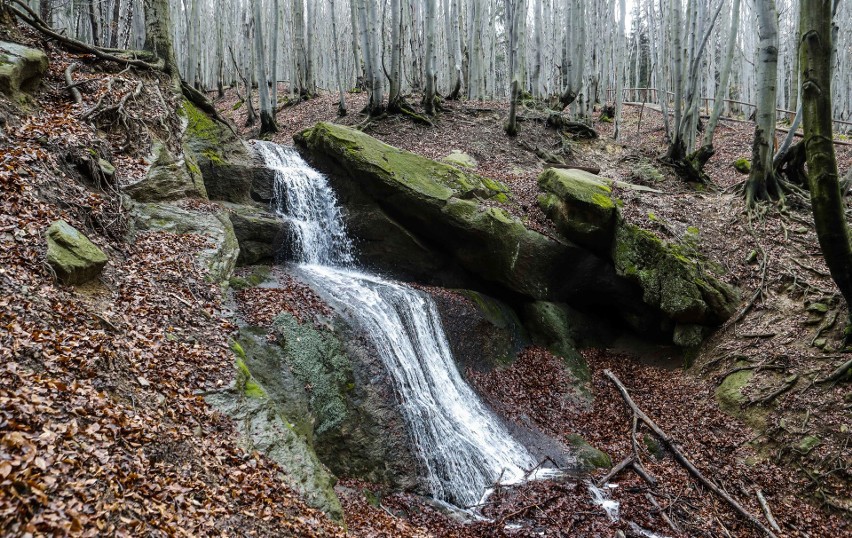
683	460
767	512
842	371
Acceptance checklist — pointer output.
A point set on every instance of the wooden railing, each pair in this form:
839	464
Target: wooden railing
650	95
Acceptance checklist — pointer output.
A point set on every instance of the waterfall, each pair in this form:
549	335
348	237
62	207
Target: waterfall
462	445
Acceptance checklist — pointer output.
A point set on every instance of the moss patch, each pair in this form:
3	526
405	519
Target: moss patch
318	360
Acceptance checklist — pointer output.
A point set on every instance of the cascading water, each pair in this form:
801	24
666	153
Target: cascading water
463	447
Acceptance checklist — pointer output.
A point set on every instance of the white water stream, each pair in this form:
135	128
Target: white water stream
463	447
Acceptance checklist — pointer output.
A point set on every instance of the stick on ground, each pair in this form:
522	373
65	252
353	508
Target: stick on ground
683	460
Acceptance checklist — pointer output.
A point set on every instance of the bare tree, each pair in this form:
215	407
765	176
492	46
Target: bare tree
762	183
826	200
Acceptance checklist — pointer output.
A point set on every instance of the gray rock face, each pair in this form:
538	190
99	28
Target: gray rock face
170	177
226	162
484	333
330	384
220	258
74	258
21	71
261	234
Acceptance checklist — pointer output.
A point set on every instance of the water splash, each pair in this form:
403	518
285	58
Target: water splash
464	449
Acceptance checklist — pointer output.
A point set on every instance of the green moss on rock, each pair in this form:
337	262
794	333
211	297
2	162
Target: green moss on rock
318	360
416	176
72	256
588	457
670	279
742	165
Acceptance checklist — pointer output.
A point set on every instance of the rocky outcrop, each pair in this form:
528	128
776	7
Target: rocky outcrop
459	215
170	177
226	162
459	158
219	258
484	333
265	428
71	255
21	71
673	280
335	392
261	234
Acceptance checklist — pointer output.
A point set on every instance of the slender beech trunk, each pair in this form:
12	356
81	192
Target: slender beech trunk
429	92
273	94
341	105
826	200
724	77
267	116
395	78
619	67
762	182
516	15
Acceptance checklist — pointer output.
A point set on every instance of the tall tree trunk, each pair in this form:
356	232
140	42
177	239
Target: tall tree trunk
395	78
158	35
341	104
276	18
619	66
429	92
454	26
724	77
267	117
762	182
826	200
95	21
516	11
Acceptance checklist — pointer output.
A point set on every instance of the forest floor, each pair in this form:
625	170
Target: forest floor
748	410
103	425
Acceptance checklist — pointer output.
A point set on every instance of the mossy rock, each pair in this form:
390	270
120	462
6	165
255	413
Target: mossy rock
219	258
169	178
671	279
225	162
396	172
581	206
557	327
71	255
742	165
443	207
263	426
261	234
588	457
731	399
21	71
460	158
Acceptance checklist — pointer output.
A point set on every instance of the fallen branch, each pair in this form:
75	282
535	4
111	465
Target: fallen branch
590	169
69	83
31	18
659	509
766	511
683	460
625	463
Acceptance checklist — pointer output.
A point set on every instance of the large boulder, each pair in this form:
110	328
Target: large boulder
581	206
71	255
226	162
261	234
458	213
673	280
170	177
21	71
265	427
335	391
220	256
